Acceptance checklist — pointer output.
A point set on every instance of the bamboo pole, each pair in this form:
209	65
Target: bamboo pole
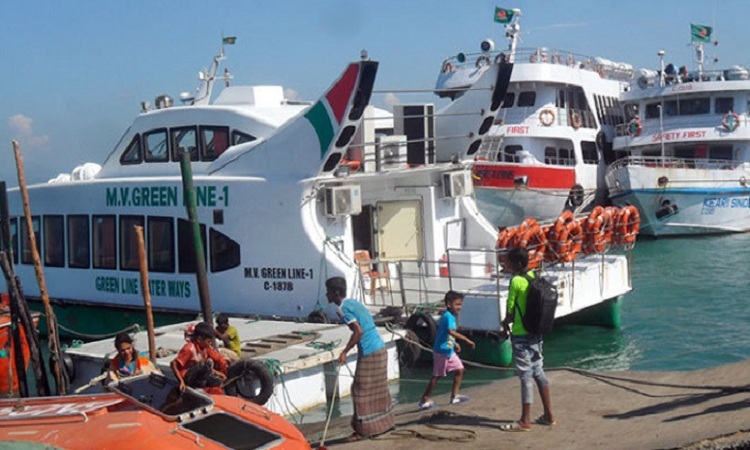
53	338
146	290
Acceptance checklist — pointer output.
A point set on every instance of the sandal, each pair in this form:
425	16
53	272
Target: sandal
541	420
514	426
459	399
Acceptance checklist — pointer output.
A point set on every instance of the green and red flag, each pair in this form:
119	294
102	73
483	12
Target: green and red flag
229	40
503	15
700	33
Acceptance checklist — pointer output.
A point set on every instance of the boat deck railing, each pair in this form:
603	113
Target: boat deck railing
675	163
671	123
543	55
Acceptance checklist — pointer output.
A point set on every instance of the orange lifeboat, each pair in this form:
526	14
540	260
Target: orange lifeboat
147	411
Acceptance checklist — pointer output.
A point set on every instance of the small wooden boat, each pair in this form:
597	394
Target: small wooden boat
147	411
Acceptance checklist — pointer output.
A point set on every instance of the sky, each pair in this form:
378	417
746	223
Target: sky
74	72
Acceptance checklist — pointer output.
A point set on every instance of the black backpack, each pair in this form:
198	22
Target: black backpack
541	302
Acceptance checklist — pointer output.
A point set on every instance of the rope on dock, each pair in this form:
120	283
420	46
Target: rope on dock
608	379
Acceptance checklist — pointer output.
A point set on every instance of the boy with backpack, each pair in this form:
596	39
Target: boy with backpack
527	347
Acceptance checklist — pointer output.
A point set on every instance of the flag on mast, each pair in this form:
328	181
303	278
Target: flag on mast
503	15
700	33
229	40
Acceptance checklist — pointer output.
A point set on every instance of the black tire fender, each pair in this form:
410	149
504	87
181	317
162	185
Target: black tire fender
67	366
317	316
576	195
423	325
251	380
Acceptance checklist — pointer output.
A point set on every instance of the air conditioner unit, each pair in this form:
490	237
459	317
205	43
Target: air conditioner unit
457	184
392	152
343	200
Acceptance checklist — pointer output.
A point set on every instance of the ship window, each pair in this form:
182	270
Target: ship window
527	98
132	155
104	242
720	152
652	110
156	146
26	256
129	259
214	141
54	241
561	99
694	106
589	153
238	137
186	258
161	244
550	155
225	253
184	139
510	97
567	157
724	105
509	153
79	247
14	239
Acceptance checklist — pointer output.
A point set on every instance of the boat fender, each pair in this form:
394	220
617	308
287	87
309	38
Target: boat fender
575	197
546	117
575	120
409	350
67	367
483	60
317	316
730	121
635	127
423	325
251	380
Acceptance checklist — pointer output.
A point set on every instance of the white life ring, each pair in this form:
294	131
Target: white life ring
730	121
546	117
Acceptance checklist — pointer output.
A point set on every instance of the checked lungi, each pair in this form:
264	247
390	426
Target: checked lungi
373	410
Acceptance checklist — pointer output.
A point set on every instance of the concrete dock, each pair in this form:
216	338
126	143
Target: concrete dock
702	409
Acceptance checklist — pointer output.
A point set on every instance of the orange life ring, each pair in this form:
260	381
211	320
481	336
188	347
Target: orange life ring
535	242
628	225
575	120
563	234
546	117
504	238
594	240
635	127
730	121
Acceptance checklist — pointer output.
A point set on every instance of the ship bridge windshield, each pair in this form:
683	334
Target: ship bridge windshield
203	142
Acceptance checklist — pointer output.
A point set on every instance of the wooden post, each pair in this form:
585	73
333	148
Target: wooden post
200	257
53	337
146	290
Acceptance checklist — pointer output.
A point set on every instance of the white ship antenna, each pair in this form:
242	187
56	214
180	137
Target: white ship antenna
699	58
207	78
512	31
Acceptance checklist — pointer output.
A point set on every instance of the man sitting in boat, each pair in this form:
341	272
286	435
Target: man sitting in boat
128	362
198	364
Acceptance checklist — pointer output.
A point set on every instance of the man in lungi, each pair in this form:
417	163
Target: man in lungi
373	411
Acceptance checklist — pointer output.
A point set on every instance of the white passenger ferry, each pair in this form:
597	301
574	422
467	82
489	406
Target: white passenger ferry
281	211
684	155
551	141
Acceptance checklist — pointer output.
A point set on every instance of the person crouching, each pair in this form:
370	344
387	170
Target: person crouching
198	364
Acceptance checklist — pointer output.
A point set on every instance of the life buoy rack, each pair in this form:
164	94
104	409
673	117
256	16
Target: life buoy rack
628	225
547	117
447	67
576	121
251	380
424	326
483	60
730	121
635	127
